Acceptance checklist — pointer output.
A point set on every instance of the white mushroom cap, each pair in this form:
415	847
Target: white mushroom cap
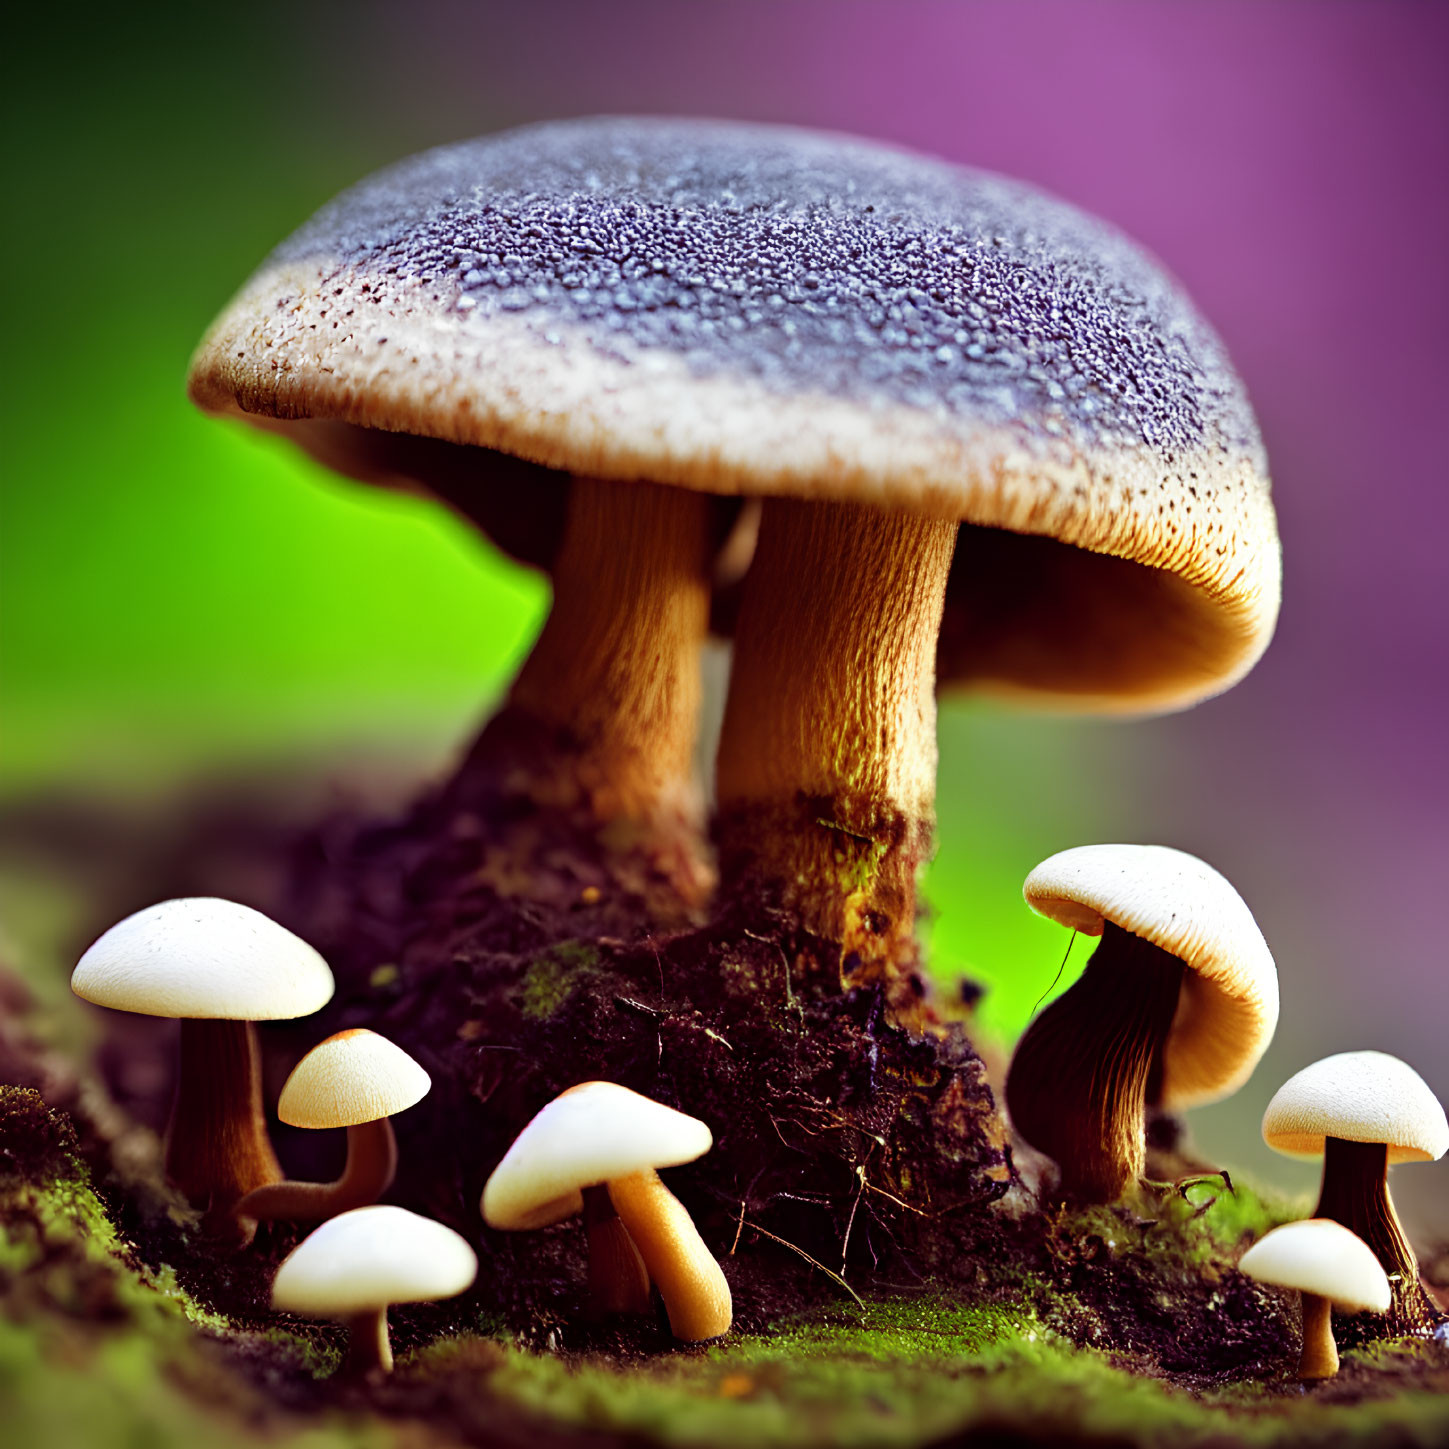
203	957
1322	1257
369	1258
1228	1009
355	1076
1360	1097
590	1134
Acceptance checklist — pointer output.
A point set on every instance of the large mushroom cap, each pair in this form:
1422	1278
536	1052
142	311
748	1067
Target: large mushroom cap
1359	1097
203	957
591	1134
1317	1255
370	1258
755	310
353	1077
1228	1007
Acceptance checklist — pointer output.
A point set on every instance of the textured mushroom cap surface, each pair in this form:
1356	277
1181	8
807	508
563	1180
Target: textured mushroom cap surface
758	310
1317	1255
203	957
1360	1097
352	1077
369	1258
588	1135
1228	1008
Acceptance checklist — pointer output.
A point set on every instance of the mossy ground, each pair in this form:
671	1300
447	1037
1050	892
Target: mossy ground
98	1348
880	1302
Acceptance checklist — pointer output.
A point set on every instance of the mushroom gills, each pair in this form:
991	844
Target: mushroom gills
1355	1192
1091	1063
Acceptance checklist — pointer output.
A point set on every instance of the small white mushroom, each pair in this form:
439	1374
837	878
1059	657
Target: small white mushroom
218	966
1329	1266
356	1265
1174	1008
1362	1112
357	1080
595	1149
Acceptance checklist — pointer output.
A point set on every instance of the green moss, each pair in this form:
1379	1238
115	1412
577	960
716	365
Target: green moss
907	1372
1179	1236
61	1388
553	978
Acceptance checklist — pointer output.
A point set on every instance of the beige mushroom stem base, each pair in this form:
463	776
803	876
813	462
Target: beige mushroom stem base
217	1148
602	716
1355	1192
369	1171
1089	1065
369	1349
695	1293
1319	1359
618	1279
827	762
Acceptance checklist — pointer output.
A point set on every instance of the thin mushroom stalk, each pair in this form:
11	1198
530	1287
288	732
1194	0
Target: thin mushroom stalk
369	1346
827	760
369	1171
1088	1067
618	1279
603	714
1319	1358
217	1147
690	1281
1355	1192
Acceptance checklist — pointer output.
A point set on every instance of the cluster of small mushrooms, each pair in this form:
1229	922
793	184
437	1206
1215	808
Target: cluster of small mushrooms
1174	1009
891	424
1176	1006
220	967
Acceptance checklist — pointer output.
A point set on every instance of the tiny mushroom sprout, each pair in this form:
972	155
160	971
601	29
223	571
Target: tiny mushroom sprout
595	1149
1329	1266
1174	1008
358	1264
357	1080
995	445
1362	1112
218	966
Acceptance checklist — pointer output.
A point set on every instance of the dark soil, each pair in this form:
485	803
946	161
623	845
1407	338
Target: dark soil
843	1143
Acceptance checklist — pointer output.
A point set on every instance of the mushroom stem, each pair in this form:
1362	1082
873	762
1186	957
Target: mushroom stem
1355	1192
618	1279
1319	1359
217	1148
602	716
827	762
695	1293
369	1348
1089	1065
369	1172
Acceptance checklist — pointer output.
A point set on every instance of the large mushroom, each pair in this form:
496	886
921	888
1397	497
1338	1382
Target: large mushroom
219	967
882	347
1362	1112
1174	1008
